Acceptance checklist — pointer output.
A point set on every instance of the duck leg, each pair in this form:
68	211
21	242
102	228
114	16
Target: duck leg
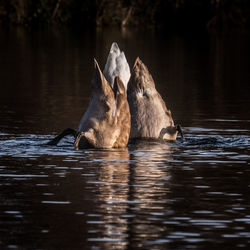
85	140
77	140
68	131
179	129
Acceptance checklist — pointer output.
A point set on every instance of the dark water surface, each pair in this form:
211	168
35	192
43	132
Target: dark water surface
191	195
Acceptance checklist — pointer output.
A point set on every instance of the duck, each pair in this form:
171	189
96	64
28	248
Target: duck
116	65
106	122
122	107
150	117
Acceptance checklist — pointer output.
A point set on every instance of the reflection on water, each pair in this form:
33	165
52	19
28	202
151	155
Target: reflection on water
153	195
109	222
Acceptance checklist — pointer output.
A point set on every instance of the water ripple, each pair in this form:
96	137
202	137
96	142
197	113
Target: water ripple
160	193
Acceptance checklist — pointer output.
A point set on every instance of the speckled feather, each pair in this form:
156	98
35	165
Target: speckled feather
150	117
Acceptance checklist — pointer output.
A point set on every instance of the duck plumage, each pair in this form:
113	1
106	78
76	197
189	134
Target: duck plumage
116	65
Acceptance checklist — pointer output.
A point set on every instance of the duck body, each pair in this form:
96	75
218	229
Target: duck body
122	107
150	117
106	122
116	65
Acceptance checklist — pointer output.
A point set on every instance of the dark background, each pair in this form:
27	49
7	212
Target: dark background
221	15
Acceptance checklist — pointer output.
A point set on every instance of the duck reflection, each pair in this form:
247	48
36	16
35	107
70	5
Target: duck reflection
149	187
133	191
112	183
150	171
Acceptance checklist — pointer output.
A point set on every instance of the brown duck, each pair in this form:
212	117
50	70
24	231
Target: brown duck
150	117
106	122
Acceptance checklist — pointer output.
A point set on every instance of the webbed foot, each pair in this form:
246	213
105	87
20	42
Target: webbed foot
68	131
179	129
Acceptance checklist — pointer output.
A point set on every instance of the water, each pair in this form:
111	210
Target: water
153	195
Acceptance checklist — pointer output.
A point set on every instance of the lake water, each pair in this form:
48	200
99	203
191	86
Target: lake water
190	195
